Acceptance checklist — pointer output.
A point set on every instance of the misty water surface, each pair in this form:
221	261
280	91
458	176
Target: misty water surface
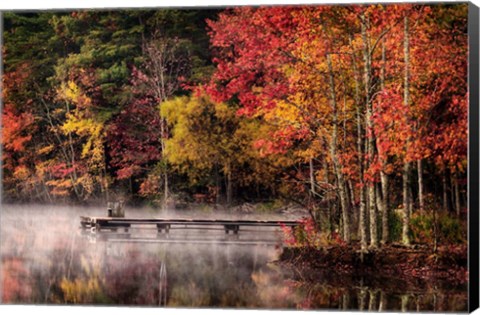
47	259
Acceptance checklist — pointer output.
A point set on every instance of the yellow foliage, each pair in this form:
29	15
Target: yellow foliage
94	132
61	187
195	139
87	183
41	169
72	93
47	149
81	291
21	173
60	183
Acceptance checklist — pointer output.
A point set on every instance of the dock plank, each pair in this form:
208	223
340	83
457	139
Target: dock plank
167	224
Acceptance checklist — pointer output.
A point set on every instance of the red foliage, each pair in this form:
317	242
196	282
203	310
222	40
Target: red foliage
134	135
16	129
61	170
250	45
18	120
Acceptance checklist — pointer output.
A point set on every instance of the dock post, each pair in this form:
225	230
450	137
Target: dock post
232	227
163	226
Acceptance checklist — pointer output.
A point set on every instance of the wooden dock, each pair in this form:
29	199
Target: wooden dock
97	224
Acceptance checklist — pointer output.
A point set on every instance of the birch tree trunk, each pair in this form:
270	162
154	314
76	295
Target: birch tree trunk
361	216
372	301
329	206
165	170
385	207
404	303
421	197
351	193
362	294
379	200
369	126
383	302
164	64
384	204
406	165
68	151
333	151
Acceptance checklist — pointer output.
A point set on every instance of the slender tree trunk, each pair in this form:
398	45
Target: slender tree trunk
406	203
217	185
372	302
45	189
352	193
406	165
444	188
362	212
346	302
370	131
379	200
73	176
362	294
165	184
367	214
435	233
163	132
104	175
383	176
457	194
164	66
329	205
383	302
362	207
383	68
373	217
229	185
385	207
312	208
404	303
421	197
312	177
410	192
106	184
333	152
69	158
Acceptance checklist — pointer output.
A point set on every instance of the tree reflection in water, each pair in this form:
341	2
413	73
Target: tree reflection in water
57	266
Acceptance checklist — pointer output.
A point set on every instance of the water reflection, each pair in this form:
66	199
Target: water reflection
46	259
324	296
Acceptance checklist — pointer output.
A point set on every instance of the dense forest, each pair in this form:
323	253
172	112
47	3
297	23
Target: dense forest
356	113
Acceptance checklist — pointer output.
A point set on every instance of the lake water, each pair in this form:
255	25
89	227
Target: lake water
47	259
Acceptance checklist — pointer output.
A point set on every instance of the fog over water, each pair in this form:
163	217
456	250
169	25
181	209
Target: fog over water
47	259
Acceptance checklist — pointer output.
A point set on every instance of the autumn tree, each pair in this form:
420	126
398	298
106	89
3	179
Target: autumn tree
30	52
358	113
134	134
210	142
353	56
